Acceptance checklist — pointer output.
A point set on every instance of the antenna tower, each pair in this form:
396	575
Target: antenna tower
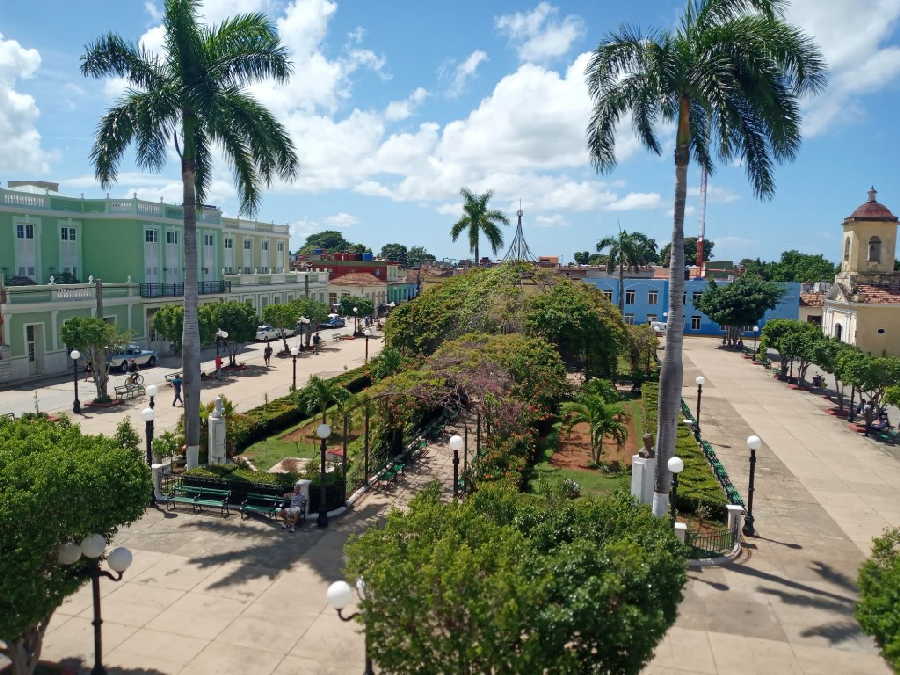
518	249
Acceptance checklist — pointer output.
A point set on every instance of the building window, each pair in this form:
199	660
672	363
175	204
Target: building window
151	236
67	234
629	319
696	296
847	248
207	240
265	246
25	231
281	247
171	237
608	295
684	298
229	243
653	297
247	244
695	322
874	249
651	318
629	297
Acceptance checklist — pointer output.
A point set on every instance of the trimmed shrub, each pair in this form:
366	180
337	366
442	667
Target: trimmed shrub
878	611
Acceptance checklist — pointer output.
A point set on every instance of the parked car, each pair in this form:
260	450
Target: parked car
264	333
123	357
333	322
659	327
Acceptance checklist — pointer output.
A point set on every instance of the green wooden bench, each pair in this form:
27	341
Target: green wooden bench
213	497
266	505
182	494
391	471
124	391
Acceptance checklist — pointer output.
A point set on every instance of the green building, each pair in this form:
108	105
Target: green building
54	247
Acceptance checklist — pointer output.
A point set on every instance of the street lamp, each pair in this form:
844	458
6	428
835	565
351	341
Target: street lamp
338	596
75	355
755	336
149	414
754	443
323	431
368	334
119	560
355	321
676	466
152	390
456	444
700	382
295	351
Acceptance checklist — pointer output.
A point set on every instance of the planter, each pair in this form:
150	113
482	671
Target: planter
105	404
799	387
836	412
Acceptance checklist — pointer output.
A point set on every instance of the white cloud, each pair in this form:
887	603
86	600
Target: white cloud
304	227
464	71
341	220
154	11
540	35
715	194
150	187
20	142
636	200
356	35
551	221
851	34
400	110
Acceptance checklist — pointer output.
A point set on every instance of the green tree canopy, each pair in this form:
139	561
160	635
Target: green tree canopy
320	394
879	591
603	418
168	323
627	250
418	255
396	252
317	312
690	251
283	317
364	306
330	241
498	583
478	219
95	339
741	303
56	486
793	266
239	320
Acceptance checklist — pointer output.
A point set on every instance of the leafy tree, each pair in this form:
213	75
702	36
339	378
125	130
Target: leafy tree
397	252
690	252
597	386
330	241
126	437
477	219
630	250
805	345
882	372
195	94
853	367
561	587
748	109
828	356
388	362
793	266
417	255
313	310
56	486
741	303
283	317
581	257
168	323
603	419
642	345
95	339
238	319
879	591
892	395
319	394
363	307
359	248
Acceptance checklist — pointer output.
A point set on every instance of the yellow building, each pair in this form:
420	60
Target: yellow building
863	306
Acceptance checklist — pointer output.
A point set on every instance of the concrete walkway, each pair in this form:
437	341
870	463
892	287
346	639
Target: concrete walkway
208	595
822	492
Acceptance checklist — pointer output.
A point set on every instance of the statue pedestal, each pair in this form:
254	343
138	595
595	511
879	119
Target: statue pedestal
643	478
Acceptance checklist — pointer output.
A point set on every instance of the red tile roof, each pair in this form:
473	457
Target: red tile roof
873	210
357	279
812	299
879	294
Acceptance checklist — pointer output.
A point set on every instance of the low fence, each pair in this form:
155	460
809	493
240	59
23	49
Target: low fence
709	544
176	290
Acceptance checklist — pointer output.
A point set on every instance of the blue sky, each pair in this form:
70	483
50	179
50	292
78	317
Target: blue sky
396	105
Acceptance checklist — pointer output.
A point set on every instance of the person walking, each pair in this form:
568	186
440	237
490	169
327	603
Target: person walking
267	353
316	341
176	383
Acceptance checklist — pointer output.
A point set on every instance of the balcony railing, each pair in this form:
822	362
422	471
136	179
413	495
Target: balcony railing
152	290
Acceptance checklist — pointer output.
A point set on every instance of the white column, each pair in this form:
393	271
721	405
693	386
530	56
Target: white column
643	478
157	480
735	519
216	444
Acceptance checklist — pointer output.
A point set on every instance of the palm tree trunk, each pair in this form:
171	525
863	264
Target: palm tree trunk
672	371
190	340
477	257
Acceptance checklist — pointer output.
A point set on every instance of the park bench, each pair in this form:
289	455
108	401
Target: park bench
199	496
266	505
172	376
392	470
11	416
124	391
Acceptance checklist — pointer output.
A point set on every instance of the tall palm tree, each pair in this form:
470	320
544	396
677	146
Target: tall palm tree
320	394
479	218
730	75
627	250
603	419
193	94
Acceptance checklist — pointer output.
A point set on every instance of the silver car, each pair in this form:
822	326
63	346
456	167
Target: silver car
123	357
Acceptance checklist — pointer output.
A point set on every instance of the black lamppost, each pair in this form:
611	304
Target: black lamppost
323	431
149	414
368	334
75	355
339	595
456	444
152	390
465	450
676	466
754	443
700	382
295	351
119	560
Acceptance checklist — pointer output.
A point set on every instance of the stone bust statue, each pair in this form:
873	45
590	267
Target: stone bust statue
648	446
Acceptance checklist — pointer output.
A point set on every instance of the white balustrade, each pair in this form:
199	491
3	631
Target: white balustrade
24	200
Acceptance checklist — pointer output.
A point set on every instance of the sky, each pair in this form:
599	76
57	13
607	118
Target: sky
394	106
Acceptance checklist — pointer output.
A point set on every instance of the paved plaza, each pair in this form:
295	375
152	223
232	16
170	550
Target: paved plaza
822	492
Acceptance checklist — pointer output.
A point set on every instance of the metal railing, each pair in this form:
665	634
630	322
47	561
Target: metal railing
709	544
176	290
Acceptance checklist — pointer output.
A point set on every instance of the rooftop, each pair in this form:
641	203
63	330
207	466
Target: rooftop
872	210
812	299
879	294
357	279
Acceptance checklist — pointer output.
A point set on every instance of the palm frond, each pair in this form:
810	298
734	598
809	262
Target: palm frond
246	48
110	55
493	235
459	226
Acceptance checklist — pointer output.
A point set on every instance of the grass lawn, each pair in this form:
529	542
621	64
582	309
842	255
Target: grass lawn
267	453
592	482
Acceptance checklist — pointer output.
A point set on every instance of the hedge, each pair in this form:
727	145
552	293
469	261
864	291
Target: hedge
697	485
878	611
241	481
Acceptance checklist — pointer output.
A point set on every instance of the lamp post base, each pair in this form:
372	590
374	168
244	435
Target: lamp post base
748	529
76	406
322	520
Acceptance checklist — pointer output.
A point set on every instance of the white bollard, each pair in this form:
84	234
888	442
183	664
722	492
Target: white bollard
680	531
157	470
735	519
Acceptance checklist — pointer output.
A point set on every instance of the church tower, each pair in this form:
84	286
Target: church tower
869	244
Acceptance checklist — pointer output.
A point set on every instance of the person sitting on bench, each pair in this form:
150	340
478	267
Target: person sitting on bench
291	514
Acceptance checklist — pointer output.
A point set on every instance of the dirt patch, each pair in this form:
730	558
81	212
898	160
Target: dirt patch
307	433
290	465
575	448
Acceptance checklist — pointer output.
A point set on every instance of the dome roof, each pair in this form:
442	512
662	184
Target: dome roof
873	210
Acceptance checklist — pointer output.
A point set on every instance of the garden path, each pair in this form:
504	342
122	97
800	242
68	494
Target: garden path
208	594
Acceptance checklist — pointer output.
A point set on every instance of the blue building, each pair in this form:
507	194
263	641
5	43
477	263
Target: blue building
648	300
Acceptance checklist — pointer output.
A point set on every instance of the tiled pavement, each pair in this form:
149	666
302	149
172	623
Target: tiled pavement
822	492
